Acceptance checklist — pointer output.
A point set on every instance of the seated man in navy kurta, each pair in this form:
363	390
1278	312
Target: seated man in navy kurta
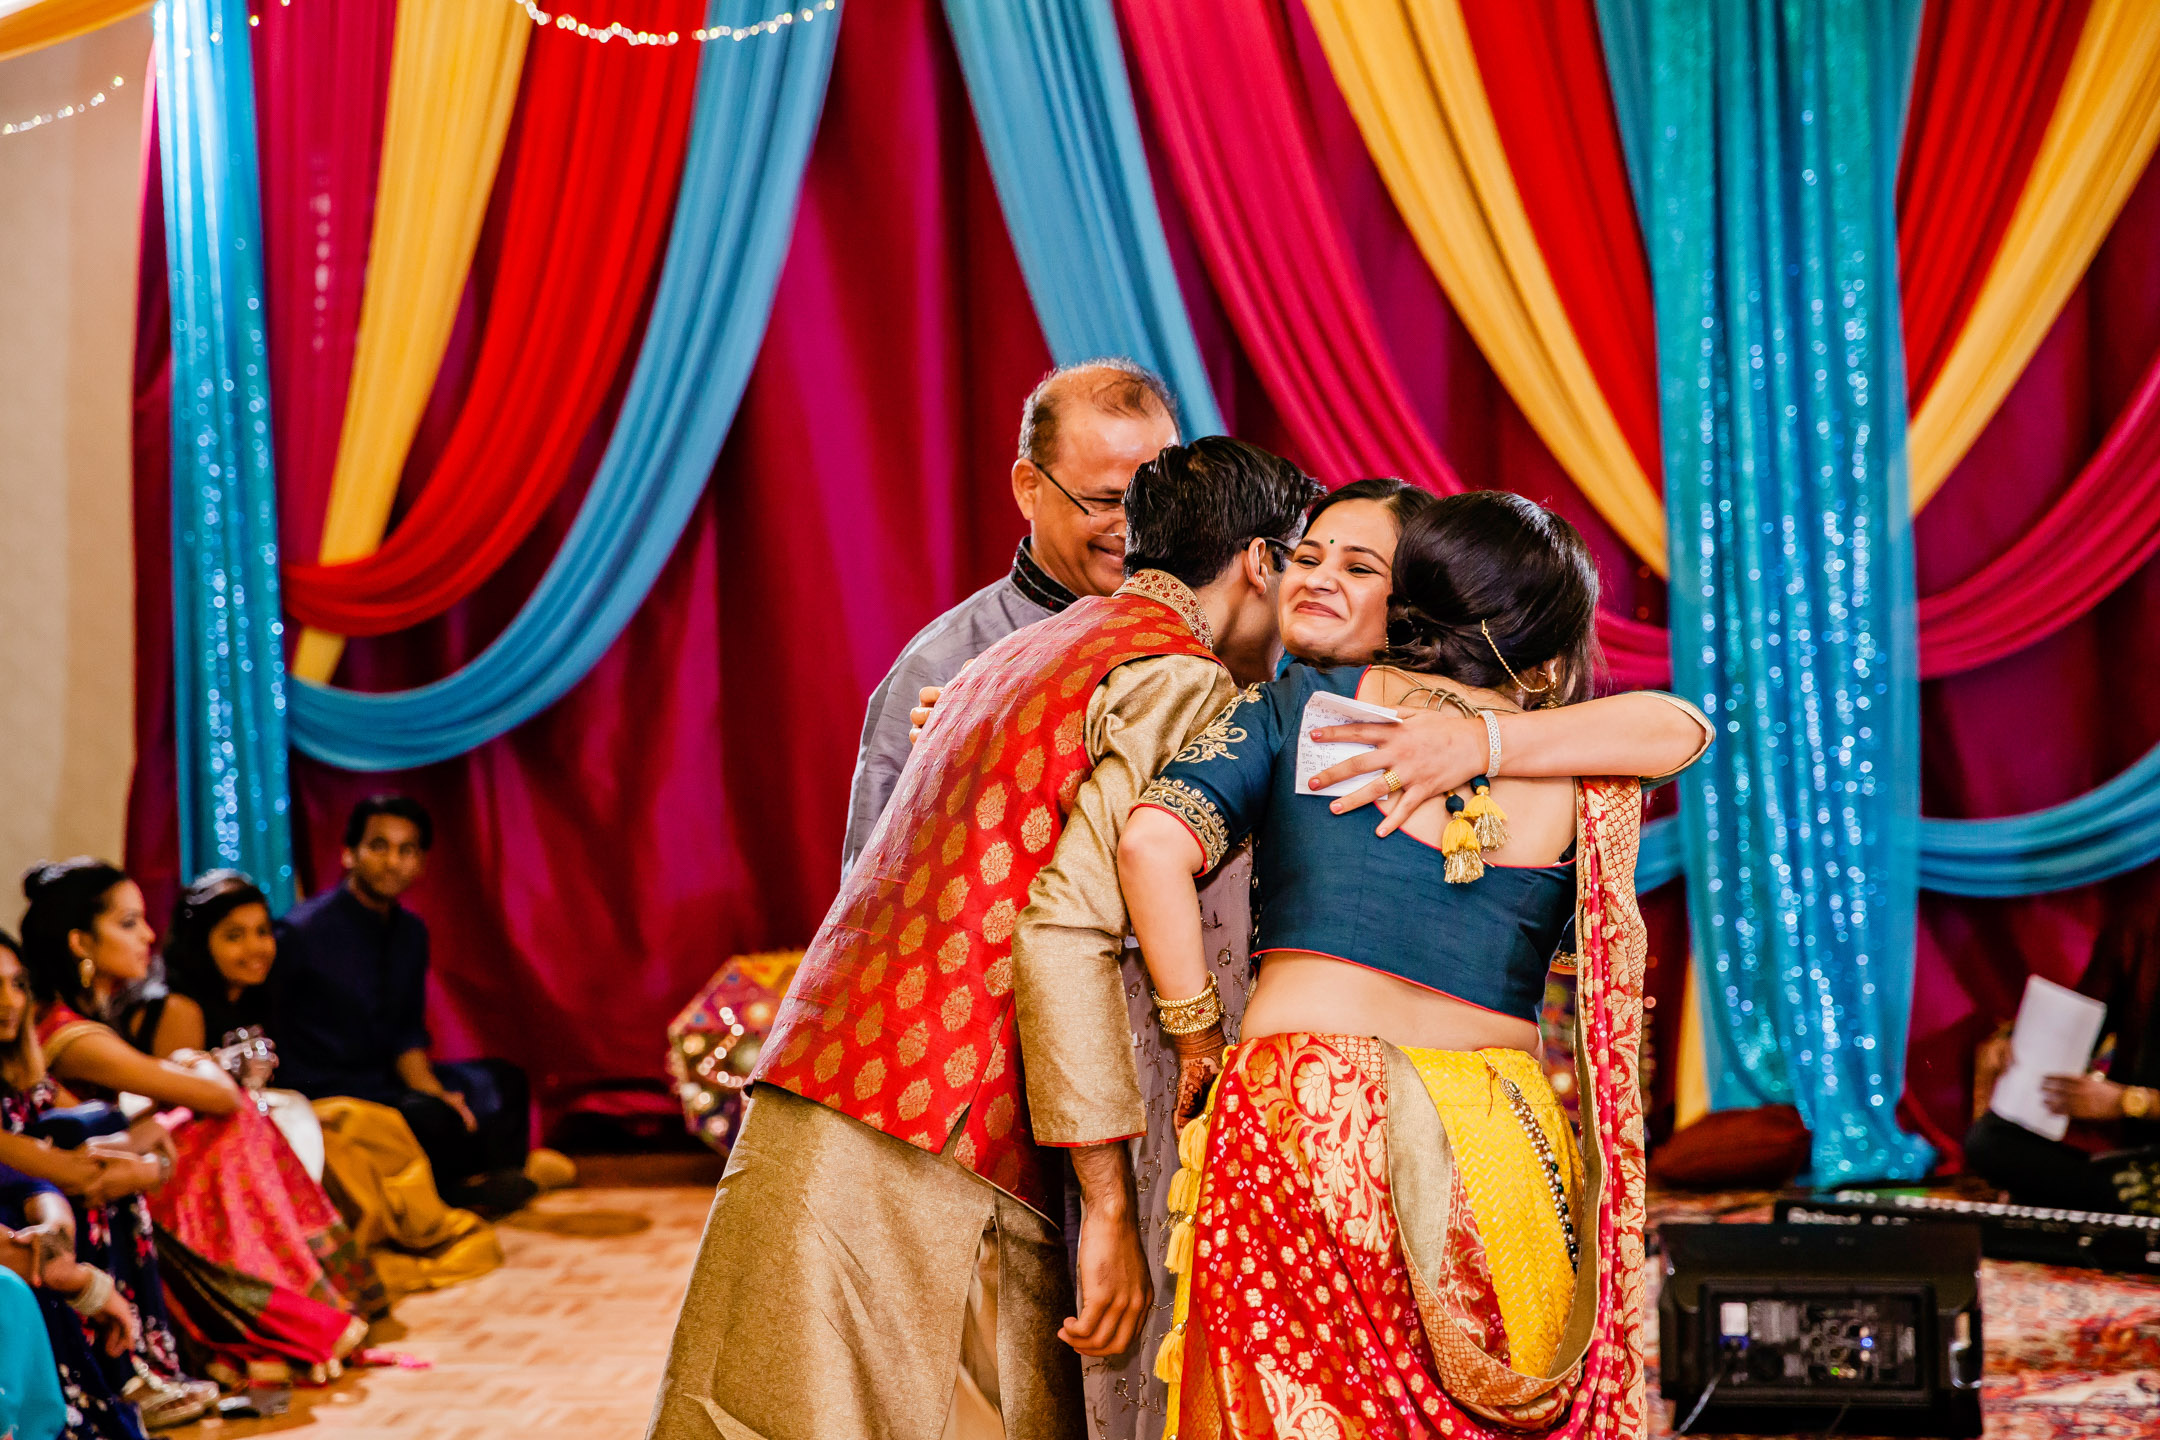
351	1017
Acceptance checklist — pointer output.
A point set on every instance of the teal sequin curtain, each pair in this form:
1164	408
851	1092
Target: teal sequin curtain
228	665
1769	162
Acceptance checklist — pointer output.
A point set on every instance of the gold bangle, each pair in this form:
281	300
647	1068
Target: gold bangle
2138	1102
1191	1015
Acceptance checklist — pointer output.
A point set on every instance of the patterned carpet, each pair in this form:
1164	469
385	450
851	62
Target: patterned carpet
2071	1354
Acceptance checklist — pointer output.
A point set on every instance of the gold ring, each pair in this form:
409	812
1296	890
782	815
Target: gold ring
1392	780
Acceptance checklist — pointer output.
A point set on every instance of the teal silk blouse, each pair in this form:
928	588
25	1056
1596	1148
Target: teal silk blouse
1325	883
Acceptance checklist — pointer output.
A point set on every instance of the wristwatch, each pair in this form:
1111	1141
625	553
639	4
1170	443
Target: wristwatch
2138	1102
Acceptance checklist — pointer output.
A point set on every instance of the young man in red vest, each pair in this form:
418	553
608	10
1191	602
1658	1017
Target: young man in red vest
883	1256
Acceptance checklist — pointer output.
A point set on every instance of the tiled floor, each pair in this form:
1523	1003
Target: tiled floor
565	1342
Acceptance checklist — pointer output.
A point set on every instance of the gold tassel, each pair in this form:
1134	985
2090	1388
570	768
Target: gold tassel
1466	864
1179	1259
1459	842
1184	1190
1487	818
1170	1359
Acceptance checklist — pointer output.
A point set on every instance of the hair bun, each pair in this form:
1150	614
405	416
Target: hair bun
42	877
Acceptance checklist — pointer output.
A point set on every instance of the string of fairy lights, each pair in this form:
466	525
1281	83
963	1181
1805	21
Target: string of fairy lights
65	112
583	29
613	30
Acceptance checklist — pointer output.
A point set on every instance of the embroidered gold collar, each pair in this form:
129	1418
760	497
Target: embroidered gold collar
1162	586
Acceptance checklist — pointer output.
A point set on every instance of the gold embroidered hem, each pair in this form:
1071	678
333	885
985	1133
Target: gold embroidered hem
830	1295
1190	804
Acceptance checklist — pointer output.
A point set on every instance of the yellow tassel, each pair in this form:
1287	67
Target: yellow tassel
1184	1190
1460	835
1465	865
1487	818
1179	1259
1170	1359
1192	1143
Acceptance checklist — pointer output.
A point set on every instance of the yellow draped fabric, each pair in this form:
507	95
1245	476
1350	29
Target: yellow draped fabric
453	83
1411	78
1506	1182
48	22
2095	149
380	1180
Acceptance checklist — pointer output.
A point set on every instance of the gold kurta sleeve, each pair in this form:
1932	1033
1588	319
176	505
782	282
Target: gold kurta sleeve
1076	1045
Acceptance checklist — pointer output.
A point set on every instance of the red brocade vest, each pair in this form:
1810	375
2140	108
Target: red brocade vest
902	1013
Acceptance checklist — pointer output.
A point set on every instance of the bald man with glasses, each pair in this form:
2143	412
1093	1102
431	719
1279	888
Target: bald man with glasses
1083	432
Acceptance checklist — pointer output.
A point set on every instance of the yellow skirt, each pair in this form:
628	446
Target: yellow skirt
1509	1186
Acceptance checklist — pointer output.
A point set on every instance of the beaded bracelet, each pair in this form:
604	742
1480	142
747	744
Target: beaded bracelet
1191	1015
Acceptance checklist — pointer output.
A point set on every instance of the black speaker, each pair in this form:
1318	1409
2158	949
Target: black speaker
1767	1329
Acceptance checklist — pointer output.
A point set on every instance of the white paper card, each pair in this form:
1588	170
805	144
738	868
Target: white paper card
2055	1033
1323	709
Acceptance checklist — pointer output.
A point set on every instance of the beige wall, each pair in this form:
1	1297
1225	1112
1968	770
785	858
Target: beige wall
69	202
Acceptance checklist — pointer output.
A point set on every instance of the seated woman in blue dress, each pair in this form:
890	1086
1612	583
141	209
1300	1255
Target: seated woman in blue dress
1392	1225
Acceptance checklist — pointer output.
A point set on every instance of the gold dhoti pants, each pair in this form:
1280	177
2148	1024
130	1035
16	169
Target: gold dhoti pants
831	1295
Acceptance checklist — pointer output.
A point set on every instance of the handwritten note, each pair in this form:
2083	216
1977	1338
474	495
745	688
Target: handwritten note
1324	709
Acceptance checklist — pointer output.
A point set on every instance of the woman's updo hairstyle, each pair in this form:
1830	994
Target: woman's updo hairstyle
1493	558
201	908
65	896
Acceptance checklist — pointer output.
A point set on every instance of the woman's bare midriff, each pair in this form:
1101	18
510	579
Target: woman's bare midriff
1302	993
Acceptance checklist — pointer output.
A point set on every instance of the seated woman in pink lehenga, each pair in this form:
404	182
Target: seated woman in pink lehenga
264	1277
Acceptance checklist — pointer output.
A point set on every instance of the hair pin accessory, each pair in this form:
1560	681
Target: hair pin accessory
1521	684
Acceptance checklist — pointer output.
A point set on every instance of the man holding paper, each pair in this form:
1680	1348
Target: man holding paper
2054	1134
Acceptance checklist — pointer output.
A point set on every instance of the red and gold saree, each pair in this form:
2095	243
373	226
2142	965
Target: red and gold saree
1380	1239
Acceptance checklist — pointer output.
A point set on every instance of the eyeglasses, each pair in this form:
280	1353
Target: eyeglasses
1092	508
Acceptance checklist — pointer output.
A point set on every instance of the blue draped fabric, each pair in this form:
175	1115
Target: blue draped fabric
1663	856
2108	831
2105	832
757	108
1770	157
1055	110
228	660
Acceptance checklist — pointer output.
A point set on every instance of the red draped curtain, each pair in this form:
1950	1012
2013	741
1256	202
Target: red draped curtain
2047	723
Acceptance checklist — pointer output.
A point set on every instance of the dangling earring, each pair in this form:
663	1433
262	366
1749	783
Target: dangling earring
1551	691
88	971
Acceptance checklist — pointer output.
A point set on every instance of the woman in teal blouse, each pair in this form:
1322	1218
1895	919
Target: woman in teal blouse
1388	1209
